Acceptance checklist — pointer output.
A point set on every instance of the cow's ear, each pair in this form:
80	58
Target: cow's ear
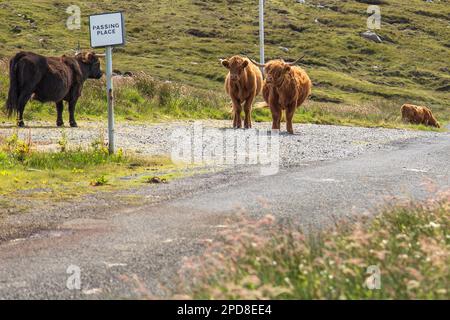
287	68
225	63
245	64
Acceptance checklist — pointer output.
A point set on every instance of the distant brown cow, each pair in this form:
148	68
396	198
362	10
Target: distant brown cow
286	88
243	83
418	115
49	79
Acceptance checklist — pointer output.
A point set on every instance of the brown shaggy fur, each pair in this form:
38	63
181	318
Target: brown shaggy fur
418	115
243	83
286	88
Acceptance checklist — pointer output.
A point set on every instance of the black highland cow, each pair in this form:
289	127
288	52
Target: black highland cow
49	79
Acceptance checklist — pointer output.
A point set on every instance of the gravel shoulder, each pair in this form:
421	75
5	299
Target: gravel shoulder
310	142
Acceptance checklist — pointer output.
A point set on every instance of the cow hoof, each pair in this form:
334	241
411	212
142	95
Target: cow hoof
74	125
59	124
21	124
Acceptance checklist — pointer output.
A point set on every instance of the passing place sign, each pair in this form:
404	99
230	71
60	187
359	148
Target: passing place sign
107	29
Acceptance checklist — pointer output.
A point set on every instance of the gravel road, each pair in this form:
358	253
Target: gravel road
310	143
326	172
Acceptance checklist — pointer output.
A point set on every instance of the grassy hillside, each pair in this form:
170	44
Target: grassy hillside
182	40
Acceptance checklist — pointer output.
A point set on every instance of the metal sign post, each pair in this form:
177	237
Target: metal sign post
110	100
108	30
261	33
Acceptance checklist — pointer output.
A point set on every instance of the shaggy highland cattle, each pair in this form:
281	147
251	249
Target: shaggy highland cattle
49	79
418	115
243	83
286	88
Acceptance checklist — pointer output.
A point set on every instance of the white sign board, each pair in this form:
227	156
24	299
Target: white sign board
107	29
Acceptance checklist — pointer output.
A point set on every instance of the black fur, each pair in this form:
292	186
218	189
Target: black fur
49	79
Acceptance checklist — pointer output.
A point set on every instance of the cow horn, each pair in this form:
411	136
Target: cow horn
100	55
257	64
295	62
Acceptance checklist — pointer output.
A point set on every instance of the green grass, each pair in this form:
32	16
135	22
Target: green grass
182	43
147	99
27	173
144	99
410	246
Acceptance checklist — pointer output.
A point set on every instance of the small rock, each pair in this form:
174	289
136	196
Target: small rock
372	36
16	29
156	180
43	42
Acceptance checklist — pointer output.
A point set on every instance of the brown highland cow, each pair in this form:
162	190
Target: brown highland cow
243	83
418	115
286	88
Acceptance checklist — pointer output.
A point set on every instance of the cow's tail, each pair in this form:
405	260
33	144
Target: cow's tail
13	94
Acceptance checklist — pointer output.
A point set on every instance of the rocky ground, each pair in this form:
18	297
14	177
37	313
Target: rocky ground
310	143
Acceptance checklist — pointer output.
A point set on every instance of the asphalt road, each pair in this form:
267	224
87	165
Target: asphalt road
148	242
